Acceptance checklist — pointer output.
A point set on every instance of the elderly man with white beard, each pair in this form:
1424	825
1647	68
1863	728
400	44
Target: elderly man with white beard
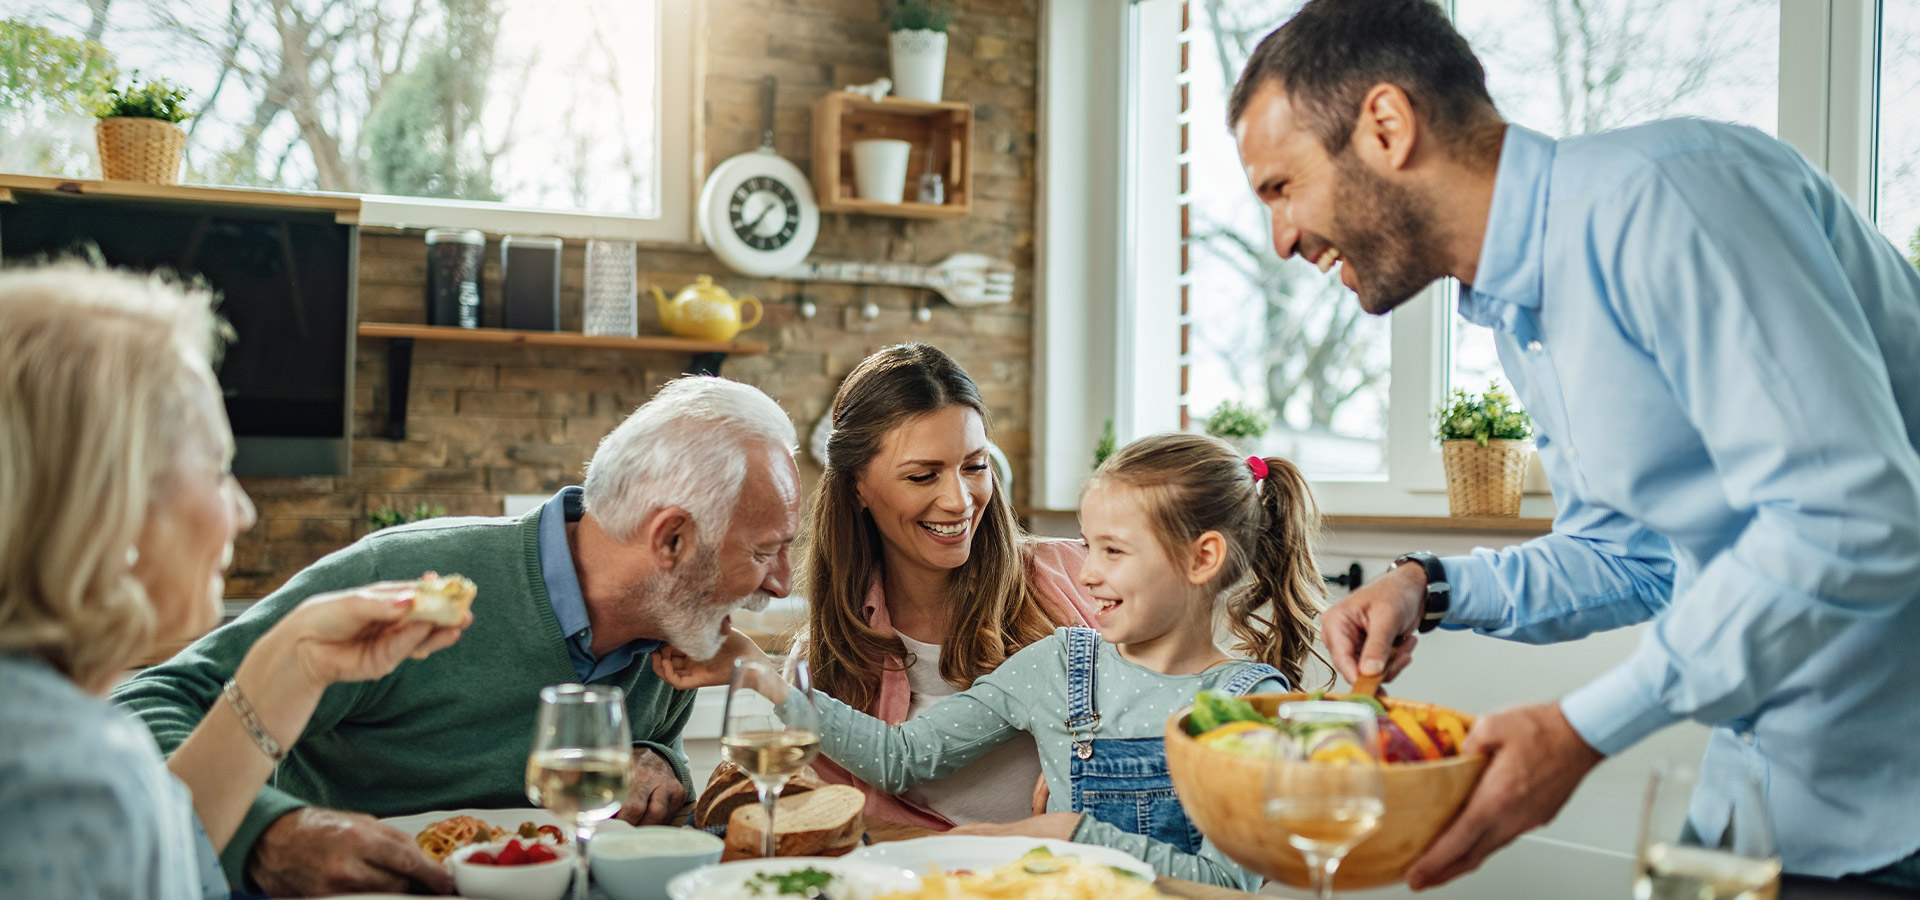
687	513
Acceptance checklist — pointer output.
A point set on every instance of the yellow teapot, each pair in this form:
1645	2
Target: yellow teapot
704	311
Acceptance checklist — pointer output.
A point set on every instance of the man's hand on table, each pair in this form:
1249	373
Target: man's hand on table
1059	825
312	851
657	796
1534	761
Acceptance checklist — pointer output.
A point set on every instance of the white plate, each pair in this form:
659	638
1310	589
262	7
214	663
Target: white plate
980	853
726	881
498	818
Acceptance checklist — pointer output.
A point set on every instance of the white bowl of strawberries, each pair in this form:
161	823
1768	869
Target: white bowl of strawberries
513	870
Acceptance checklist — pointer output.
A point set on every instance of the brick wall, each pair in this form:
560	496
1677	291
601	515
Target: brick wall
485	420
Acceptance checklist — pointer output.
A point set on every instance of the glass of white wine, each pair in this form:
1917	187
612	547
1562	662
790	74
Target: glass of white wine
1329	796
581	766
772	731
1704	835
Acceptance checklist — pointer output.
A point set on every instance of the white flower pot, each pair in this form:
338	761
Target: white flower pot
880	169
919	63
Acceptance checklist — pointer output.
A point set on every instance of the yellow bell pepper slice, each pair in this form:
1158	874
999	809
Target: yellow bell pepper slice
1415	733
1230	729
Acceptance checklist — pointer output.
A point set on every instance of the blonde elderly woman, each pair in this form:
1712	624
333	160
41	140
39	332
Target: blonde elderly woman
117	518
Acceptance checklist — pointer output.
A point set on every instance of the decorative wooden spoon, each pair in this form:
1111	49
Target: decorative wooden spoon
1366	686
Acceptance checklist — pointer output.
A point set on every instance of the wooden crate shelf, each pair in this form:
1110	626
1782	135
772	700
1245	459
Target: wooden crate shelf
942	139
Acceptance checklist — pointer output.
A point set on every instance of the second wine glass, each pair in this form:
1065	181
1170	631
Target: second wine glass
772	731
1327	796
581	766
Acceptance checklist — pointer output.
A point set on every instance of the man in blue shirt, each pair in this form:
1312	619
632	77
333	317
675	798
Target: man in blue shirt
1722	358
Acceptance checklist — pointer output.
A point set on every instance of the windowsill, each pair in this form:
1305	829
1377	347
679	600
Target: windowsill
1483	524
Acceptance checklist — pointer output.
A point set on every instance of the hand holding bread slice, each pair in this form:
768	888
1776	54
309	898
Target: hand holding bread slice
442	599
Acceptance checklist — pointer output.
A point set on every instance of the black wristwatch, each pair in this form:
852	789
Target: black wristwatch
1438	591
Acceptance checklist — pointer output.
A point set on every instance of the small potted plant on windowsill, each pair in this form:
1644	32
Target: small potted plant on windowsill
919	49
1485	448
139	132
1241	425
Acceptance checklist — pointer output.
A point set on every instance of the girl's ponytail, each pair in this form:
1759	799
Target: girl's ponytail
1273	612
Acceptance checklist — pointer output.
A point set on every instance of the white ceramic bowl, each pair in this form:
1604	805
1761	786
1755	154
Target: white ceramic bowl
636	864
535	881
727	881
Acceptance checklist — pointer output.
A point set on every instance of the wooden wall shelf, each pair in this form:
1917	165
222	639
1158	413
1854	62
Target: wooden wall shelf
942	139
707	355
653	343
345	208
1490	524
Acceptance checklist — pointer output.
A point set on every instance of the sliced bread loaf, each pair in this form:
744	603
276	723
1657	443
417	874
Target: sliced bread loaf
729	789
825	821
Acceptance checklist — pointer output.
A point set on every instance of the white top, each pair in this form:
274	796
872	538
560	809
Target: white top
997	787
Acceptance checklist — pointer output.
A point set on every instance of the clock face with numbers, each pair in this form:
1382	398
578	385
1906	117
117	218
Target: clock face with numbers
758	215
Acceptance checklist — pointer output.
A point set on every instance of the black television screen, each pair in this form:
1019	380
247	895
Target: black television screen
285	280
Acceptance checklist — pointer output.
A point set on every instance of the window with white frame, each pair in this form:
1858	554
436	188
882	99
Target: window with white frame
1557	66
499	114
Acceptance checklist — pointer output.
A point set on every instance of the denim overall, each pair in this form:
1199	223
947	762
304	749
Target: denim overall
1124	781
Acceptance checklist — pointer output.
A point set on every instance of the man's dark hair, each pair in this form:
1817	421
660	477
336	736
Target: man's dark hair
1330	54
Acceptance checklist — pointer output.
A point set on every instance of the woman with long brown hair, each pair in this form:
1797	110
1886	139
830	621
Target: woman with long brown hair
918	577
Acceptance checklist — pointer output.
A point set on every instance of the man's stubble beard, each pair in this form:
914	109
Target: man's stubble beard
684	609
1389	230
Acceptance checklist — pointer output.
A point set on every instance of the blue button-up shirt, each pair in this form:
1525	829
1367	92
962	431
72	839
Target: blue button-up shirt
1722	359
563	591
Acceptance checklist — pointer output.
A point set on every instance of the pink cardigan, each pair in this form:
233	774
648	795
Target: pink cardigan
1055	574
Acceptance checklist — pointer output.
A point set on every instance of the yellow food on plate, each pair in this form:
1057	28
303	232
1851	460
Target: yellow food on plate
1039	875
442	599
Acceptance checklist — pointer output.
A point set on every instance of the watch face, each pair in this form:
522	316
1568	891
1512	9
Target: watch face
764	213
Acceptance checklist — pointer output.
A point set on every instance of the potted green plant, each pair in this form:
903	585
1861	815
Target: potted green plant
919	48
1485	448
139	132
389	516
1240	424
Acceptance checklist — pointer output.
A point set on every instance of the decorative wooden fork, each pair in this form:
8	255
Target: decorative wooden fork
964	279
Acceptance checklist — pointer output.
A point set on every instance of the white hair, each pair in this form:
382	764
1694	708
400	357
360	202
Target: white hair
687	448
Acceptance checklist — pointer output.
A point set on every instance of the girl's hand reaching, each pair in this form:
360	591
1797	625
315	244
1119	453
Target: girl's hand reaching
685	673
1060	825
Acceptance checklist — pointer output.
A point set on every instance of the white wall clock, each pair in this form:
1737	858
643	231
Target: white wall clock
756	210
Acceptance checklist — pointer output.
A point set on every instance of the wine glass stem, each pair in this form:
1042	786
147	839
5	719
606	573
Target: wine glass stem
1320	871
582	832
769	794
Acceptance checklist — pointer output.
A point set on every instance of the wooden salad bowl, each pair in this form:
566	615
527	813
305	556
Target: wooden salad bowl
1224	795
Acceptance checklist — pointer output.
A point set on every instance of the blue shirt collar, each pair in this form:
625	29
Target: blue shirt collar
1512	253
563	591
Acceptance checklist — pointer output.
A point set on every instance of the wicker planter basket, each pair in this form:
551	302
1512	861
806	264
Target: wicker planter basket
137	149
1485	481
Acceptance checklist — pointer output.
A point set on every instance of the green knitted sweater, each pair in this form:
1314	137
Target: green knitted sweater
450	731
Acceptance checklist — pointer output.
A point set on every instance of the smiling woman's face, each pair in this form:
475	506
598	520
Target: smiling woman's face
927	488
187	541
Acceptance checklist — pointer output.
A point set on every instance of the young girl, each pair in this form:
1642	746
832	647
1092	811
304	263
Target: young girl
1174	524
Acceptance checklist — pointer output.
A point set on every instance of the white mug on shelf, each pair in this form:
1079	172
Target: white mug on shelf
880	169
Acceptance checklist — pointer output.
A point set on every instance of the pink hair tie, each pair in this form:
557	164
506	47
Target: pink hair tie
1259	467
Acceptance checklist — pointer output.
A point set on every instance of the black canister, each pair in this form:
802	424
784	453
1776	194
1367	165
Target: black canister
530	280
453	276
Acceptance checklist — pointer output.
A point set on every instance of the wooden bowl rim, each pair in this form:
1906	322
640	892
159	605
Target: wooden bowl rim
1177	728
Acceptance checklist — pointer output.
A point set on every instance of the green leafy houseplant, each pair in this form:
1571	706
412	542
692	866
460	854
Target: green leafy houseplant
920	15
157	99
1492	416
1232	420
387	516
1104	447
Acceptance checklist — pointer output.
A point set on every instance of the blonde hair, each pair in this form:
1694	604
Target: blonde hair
996	610
97	369
1193	484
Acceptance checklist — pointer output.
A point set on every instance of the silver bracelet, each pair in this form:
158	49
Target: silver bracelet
251	722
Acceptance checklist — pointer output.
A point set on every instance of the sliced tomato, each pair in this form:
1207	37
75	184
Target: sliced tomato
539	853
482	858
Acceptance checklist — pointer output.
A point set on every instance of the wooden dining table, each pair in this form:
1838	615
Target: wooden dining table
879	832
